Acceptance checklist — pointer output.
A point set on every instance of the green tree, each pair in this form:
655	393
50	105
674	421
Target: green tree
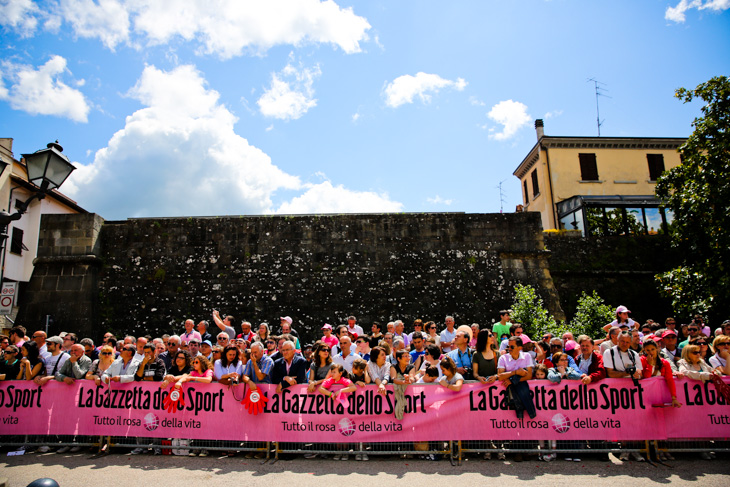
698	193
591	315
529	311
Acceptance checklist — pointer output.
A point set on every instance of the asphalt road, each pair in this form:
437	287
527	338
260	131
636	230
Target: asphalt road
114	470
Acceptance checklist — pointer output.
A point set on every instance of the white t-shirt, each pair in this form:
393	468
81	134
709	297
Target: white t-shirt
448	336
623	359
345	362
54	364
717	361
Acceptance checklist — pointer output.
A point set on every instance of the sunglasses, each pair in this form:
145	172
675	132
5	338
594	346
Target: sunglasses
512	347
105	353
221	339
694	353
701	343
172	344
693	329
324	349
556	346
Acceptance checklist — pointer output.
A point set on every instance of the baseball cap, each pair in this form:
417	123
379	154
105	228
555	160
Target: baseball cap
286	318
57	340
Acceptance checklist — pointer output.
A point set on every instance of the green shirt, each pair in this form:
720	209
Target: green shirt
499	329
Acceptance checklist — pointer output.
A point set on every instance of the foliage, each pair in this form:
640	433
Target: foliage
528	310
698	193
591	315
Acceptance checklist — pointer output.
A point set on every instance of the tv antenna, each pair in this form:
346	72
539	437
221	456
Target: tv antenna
501	196
599	122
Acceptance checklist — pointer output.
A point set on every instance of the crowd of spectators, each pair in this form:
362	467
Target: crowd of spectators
349	357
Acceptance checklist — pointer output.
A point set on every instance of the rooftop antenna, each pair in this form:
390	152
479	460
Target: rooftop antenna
501	196
599	122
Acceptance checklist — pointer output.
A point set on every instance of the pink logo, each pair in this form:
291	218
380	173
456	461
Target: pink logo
561	423
346	427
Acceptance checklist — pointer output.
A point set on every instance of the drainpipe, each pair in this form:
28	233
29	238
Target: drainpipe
540	130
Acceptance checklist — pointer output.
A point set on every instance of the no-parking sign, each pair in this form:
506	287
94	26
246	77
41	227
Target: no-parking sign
7	297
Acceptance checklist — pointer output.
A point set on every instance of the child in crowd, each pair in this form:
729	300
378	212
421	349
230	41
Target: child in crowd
541	373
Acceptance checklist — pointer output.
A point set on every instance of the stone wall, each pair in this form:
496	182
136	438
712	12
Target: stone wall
621	269
65	281
316	269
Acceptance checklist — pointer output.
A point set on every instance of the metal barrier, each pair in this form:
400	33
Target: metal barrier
453	450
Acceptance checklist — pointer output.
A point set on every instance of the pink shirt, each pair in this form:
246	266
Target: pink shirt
509	364
207	373
186	337
331	341
331	381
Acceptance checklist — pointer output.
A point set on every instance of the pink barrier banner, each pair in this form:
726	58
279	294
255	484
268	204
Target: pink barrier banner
613	409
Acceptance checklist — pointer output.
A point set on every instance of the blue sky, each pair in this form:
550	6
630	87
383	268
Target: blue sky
197	107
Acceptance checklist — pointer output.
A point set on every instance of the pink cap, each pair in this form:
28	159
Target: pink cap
525	339
622	309
571	345
326	326
286	318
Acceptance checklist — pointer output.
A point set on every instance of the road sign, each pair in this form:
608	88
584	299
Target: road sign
7	297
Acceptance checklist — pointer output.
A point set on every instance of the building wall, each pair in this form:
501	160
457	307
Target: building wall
620	171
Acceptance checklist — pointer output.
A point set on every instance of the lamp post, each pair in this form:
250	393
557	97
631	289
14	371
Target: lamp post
47	169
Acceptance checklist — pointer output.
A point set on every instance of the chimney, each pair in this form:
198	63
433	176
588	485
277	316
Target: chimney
539	128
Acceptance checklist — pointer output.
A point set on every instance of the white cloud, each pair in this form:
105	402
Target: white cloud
438	200
677	13
355	116
226	28
41	91
291	94
326	198
553	114
177	156
405	88
19	15
476	101
512	115
107	20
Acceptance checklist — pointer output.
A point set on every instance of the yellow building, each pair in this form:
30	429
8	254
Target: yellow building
598	185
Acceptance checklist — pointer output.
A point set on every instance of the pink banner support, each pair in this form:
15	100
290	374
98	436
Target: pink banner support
612	410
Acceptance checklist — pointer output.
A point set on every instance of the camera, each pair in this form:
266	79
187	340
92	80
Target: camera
631	370
234	382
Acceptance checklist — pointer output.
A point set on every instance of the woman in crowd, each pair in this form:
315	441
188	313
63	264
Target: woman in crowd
201	370
180	367
10	369
720	360
451	379
99	366
401	373
692	365
430	329
31	364
378	368
474	334
319	368
431	357
702	342
229	369
652	365
542	355
561	370
484	360
263	333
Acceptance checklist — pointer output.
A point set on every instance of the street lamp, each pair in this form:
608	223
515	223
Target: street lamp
47	169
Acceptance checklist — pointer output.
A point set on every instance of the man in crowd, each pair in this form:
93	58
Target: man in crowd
460	354
17	336
399	333
190	333
501	328
670	351
222	339
206	348
75	367
556	346
290	369
123	369
151	368
203	330
589	363
328	338
194	347
246	332
139	353
39	337
89	349
173	345
259	367
345	357
225	325
620	358
69	339
352	327
611	339
448	335
694	332
419	349
362	347
53	361
376	334
286	329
